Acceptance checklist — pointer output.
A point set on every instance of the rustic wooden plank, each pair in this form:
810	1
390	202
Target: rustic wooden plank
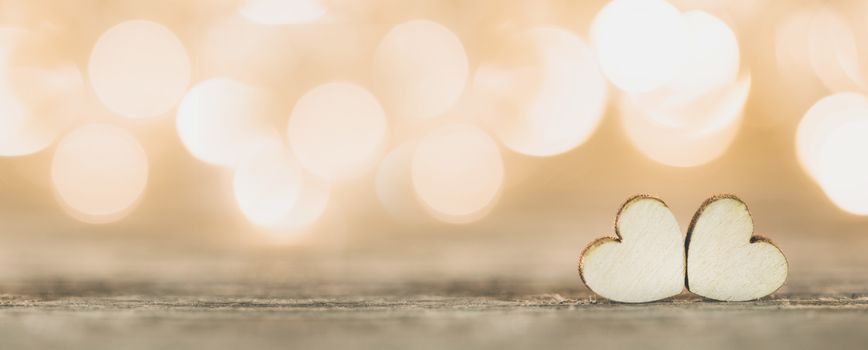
423	314
523	293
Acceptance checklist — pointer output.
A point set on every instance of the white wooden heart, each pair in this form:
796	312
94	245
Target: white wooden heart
724	260
644	261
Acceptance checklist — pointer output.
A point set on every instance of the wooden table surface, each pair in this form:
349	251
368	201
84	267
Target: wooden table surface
480	314
412	298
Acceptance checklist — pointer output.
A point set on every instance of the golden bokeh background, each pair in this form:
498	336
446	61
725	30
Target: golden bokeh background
451	137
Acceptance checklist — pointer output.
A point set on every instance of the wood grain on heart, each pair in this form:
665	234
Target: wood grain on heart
725	261
644	261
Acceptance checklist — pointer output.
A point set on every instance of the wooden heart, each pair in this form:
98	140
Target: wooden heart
724	260
644	261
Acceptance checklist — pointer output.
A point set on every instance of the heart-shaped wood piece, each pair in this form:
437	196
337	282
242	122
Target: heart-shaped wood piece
725	261
644	261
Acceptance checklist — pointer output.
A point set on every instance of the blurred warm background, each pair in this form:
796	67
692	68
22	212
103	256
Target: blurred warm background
400	140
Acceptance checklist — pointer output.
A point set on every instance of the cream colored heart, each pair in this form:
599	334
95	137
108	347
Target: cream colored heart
724	260
644	261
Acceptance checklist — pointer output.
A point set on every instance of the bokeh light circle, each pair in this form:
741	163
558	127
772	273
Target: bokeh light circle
421	69
685	132
17	137
38	101
457	172
99	171
834	52
567	101
640	44
712	54
820	120
276	194
337	130
394	185
267	186
310	206
139	69
278	12
220	120
843	167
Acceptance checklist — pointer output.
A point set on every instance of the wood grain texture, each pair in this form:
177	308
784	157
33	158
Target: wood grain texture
644	261
725	261
420	314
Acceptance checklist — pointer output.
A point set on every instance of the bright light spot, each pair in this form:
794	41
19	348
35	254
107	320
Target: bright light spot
640	44
221	120
685	132
275	193
834	53
267	186
457	172
37	103
311	204
421	68
18	134
843	171
828	114
337	130
14	140
277	12
394	185
99	171
566	105
139	69
712	55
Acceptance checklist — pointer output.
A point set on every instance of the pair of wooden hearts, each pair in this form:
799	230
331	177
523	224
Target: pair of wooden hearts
648	259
